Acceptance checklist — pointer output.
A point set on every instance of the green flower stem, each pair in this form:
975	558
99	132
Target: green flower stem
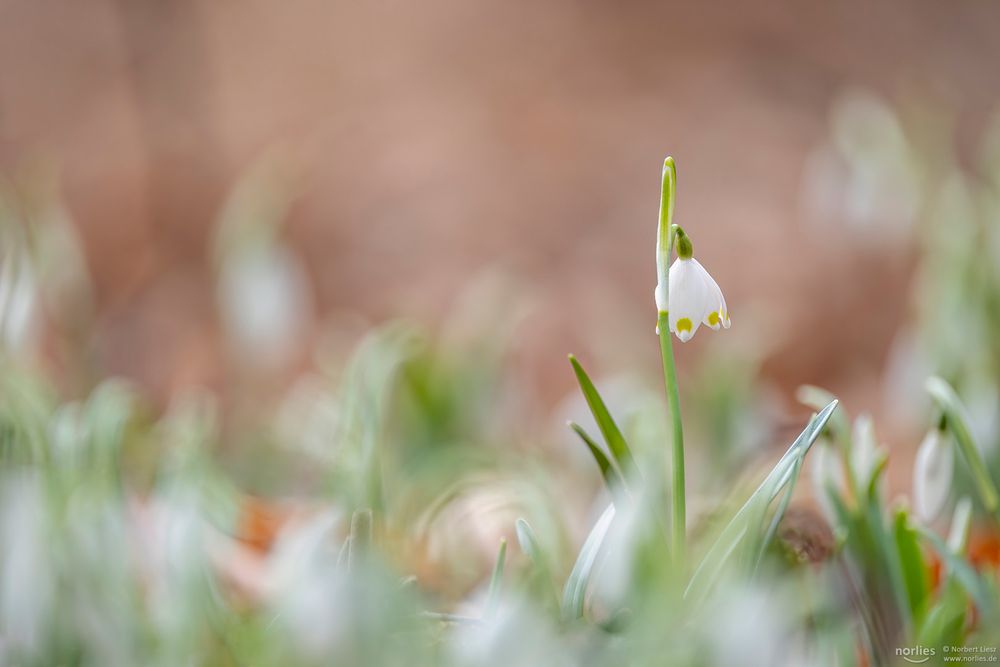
665	239
677	441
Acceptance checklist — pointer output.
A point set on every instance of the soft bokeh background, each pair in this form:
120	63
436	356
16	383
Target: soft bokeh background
410	149
286	290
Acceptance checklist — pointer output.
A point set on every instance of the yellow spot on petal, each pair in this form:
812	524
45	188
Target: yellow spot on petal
683	324
713	319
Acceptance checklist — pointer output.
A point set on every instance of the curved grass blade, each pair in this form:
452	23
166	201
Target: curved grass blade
817	398
916	574
956	419
493	599
609	429
779	514
747	518
612	478
360	539
343	554
528	542
575	592
542	575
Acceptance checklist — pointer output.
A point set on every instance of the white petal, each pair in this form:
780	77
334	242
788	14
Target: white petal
687	298
865	451
827	472
716	314
932	473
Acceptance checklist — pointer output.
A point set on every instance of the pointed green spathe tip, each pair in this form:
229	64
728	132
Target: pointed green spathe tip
668	188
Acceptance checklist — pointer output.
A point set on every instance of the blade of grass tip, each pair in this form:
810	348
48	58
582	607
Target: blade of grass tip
916	575
817	398
738	527
528	542
361	537
612	479
493	599
609	429
958	423
575	591
531	547
344	553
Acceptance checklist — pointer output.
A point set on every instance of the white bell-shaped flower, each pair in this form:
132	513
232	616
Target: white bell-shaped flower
694	299
932	473
827	473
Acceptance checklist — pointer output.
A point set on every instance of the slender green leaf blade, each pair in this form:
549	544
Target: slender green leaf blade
575	591
915	571
532	548
493	600
748	515
609	429
779	514
611	476
360	538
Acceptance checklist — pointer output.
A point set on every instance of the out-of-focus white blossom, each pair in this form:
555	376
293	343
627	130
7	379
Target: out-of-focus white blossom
753	625
264	298
517	634
826	472
27	588
866	453
932	474
961	523
865	174
18	301
309	418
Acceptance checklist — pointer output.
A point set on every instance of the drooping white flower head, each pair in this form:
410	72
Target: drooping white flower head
932	473
694	299
685	292
694	296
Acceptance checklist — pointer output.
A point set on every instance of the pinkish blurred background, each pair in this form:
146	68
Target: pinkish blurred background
421	144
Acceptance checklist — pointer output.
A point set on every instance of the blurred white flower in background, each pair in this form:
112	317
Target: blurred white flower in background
826	472
516	636
263	299
27	587
906	368
865	175
932	474
43	271
309	417
866	453
263	290
303	583
754	625
18	300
